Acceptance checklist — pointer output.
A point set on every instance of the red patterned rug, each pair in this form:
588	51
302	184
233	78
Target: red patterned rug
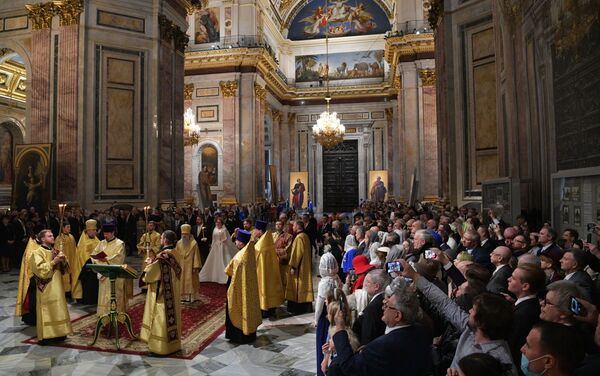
203	321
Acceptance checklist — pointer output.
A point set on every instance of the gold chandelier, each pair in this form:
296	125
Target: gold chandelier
328	131
191	128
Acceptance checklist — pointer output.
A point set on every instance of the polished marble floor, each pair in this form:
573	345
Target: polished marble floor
283	347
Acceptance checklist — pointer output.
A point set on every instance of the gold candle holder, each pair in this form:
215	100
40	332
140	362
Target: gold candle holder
147	242
61	217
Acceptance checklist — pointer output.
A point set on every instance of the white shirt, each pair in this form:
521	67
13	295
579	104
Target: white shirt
498	268
484	241
389	330
524	299
568	276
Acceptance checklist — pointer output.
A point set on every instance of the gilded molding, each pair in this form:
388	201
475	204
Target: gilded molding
260	93
228	88
40	15
188	91
511	10
427	77
196	5
68	11
397	83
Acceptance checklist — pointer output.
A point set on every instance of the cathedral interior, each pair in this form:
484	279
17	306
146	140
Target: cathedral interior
482	103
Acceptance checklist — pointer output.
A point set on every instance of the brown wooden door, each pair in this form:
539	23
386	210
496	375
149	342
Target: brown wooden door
340	177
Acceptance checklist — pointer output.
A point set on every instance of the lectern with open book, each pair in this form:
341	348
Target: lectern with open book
113	318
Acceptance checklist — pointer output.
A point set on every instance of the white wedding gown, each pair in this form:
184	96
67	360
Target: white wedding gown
221	252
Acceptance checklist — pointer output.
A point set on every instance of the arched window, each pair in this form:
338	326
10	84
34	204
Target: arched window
209	159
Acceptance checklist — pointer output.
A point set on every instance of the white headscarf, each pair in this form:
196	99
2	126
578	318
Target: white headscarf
328	265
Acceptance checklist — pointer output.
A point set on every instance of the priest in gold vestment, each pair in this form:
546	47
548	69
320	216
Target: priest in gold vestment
87	244
299	288
242	313
188	254
149	246
47	265
161	327
26	307
65	242
114	250
270	291
283	247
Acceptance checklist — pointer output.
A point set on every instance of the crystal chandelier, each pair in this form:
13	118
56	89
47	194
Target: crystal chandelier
191	128
328	131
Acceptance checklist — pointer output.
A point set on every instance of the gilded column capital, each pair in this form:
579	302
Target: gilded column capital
188	91
275	115
389	114
68	11
291	118
180	38
427	77
40	15
165	28
229	88
260	92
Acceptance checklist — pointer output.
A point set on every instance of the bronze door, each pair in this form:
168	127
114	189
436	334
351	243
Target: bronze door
340	177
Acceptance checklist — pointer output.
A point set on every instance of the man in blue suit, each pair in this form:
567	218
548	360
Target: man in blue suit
405	345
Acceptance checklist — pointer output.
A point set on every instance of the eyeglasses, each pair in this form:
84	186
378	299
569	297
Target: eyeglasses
548	303
518	241
386	306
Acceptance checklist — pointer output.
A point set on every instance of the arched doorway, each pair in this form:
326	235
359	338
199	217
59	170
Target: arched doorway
13	99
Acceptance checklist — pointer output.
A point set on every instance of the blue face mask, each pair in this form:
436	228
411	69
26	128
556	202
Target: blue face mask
525	366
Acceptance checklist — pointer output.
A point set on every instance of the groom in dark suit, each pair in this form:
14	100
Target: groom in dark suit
406	345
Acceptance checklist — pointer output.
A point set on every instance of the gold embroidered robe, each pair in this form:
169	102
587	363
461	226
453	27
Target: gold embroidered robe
283	248
85	247
52	313
25	275
154	326
299	286
242	294
270	291
115	254
188	256
153	239
66	244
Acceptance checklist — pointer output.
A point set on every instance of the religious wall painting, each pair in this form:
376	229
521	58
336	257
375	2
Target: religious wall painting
566	218
378	185
207	25
32	176
342	66
576	215
6	157
209	160
299	190
338	18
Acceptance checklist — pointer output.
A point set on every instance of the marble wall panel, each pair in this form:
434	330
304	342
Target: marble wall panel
40	86
484	95
120	122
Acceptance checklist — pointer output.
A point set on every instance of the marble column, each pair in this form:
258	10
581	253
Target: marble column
293	141
260	95
389	144
165	124
248	163
178	155
278	156
286	156
188	189
67	101
429	175
230	92
39	94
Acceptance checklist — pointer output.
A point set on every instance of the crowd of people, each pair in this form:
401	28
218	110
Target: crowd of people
428	289
436	290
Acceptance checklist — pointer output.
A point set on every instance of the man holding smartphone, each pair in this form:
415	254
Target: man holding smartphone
572	263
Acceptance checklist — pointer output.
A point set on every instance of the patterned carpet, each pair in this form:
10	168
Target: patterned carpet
203	321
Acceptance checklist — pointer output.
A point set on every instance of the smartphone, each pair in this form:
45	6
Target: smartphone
576	307
588	239
429	254
591	227
395	266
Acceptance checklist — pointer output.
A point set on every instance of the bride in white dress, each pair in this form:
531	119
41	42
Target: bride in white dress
221	252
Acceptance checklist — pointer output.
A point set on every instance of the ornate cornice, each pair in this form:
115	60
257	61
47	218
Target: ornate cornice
407	45
228	88
69	11
188	91
397	83
260	92
427	77
40	15
180	38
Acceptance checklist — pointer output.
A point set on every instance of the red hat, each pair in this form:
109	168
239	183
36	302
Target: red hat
361	264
